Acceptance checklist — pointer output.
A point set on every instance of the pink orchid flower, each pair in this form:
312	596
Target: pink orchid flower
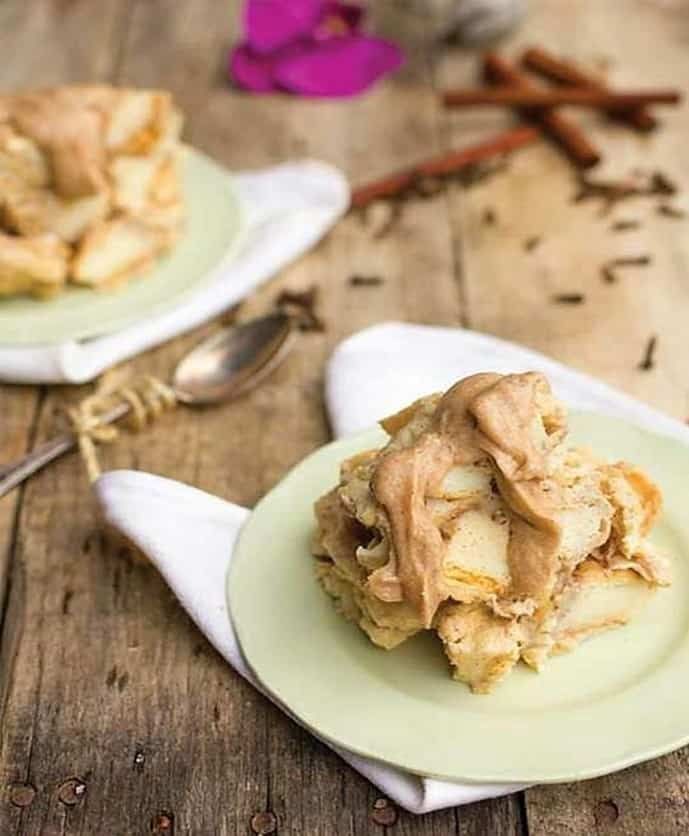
309	47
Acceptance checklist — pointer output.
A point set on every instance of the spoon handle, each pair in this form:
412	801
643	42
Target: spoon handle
14	474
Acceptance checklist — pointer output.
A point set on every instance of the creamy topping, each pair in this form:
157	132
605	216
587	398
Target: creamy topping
71	133
76	127
401	482
515	422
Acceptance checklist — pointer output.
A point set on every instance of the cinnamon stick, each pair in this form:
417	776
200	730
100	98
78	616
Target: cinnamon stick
563	72
575	96
444	164
568	135
648	360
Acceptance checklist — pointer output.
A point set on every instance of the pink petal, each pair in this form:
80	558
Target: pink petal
338	67
271	24
252	71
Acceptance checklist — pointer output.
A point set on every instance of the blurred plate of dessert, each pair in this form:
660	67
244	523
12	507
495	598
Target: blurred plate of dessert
106	218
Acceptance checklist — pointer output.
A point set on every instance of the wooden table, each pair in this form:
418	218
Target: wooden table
117	716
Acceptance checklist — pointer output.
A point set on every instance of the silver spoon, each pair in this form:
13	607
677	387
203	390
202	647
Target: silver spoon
225	365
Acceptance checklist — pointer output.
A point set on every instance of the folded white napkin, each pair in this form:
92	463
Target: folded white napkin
387	366
287	209
392	364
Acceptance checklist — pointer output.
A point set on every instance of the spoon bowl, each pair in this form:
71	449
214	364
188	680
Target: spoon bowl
233	361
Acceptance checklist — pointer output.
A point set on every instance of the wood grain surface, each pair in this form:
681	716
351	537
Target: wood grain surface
117	716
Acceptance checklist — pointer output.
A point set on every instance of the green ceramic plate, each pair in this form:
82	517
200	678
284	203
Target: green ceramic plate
619	699
213	233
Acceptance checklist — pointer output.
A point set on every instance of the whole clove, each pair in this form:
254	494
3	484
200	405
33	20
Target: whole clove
395	206
300	305
669	211
648	360
569	298
661	184
632	261
229	317
608	274
365	281
625	225
609	269
427	187
476	173
298	298
611	192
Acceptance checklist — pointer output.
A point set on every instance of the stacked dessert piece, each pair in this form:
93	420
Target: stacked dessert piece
89	186
479	521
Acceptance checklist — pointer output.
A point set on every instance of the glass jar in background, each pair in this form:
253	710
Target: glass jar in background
470	22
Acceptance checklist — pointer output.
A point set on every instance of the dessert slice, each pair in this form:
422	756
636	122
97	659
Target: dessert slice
482	647
21	159
140	182
343	549
132	181
68	132
149	189
597	600
35	265
480	522
141	121
114	250
37	211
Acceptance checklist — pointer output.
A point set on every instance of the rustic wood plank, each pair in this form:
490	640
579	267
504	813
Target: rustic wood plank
647	800
48	42
508	289
18	407
56	31
108	665
72	44
52	42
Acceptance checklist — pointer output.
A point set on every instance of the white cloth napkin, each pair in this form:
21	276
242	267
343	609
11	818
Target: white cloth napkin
287	209
387	366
